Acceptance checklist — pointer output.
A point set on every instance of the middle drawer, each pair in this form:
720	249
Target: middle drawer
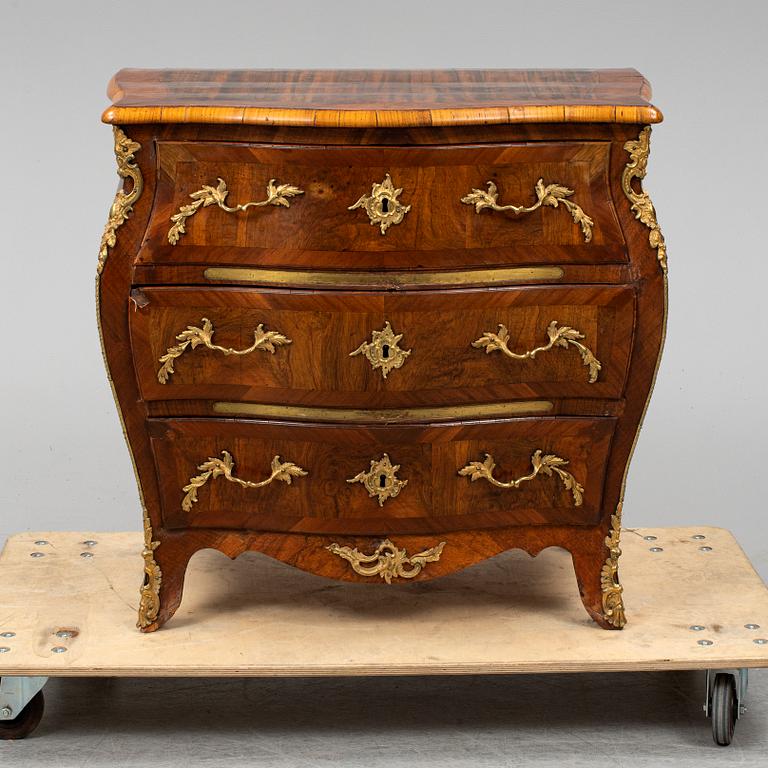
363	349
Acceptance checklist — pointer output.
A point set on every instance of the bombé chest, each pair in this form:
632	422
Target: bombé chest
382	325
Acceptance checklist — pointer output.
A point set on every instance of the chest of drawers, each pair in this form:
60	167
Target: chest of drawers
381	325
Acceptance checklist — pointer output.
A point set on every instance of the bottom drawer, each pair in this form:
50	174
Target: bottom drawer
325	478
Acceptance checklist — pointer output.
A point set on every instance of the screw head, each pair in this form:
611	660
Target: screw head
751	626
705	642
4	649
90	543
7	634
37	554
705	549
698	536
65	633
86	555
656	549
696	628
650	538
6	713
41	543
58	649
760	641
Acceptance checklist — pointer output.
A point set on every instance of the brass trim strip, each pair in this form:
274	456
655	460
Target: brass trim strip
384	279
389	415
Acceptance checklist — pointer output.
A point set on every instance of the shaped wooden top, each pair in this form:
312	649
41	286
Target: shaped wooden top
356	98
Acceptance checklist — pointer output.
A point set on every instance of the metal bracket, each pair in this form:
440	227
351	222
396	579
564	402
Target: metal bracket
742	676
16	693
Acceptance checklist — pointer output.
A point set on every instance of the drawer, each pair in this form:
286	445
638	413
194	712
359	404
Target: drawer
347	217
378	480
379	350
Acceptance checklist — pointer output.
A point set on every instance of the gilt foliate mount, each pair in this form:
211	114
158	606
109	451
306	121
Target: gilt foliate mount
120	211
122	206
541	463
193	337
149	594
559	336
642	207
383	351
551	195
381	479
613	599
277	194
382	206
388	561
282	471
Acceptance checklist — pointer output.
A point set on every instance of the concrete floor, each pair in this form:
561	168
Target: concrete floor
642	719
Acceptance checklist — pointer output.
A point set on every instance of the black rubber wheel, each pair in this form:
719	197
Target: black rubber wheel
724	703
26	721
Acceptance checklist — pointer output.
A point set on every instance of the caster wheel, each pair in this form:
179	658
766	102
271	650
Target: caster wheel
723	708
26	721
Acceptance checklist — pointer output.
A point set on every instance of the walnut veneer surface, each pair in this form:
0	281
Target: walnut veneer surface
381	325
381	98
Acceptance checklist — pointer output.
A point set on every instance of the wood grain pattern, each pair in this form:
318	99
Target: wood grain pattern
438	328
319	232
436	500
379	98
249	617
621	264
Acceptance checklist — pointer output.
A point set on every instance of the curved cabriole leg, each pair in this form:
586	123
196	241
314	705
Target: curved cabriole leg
596	566
163	581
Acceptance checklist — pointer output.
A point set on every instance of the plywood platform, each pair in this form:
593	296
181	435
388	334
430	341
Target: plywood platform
258	617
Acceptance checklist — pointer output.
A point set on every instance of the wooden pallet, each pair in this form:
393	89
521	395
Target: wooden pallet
257	617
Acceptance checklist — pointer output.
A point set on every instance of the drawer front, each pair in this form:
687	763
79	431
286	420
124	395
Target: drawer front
381	350
374	208
379	480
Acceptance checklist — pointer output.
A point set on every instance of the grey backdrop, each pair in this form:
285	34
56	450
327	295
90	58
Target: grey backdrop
700	459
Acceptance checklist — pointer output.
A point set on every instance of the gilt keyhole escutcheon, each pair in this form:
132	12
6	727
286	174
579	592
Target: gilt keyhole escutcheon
381	479
382	206
383	351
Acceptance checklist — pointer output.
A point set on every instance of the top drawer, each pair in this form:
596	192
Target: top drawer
348	216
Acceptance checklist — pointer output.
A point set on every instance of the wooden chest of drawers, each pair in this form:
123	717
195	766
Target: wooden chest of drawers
381	325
